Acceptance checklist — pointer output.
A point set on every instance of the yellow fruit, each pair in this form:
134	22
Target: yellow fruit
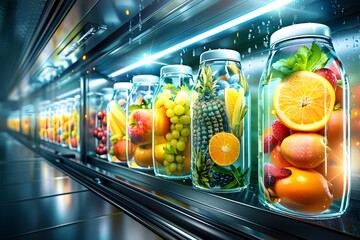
231	96
224	148
304	191
304	101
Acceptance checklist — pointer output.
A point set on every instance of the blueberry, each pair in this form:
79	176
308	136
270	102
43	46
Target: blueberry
222	84
235	86
234	79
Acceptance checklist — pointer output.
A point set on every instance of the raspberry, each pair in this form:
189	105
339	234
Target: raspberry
280	131
269	143
275	171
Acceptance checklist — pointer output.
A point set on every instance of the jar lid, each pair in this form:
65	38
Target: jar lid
122	85
183	69
300	30
220	54
145	79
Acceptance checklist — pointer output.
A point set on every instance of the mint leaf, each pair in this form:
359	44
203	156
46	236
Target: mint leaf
317	59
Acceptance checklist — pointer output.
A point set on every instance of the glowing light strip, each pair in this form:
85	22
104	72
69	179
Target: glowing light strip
246	17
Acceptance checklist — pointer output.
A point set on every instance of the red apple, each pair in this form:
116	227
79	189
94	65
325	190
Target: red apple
140	126
329	75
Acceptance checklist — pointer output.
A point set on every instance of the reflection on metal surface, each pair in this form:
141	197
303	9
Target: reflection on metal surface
244	18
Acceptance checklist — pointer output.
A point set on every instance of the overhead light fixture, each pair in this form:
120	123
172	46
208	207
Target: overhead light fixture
83	36
244	18
47	72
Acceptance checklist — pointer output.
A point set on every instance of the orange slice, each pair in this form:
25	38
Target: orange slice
224	148
304	101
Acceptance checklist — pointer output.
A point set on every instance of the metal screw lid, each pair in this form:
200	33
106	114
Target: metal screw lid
220	54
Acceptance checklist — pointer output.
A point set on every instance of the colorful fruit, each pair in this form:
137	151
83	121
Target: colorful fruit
159	152
280	131
304	101
277	158
304	150
305	191
329	75
275	171
143	156
269	142
140	126
224	148
161	121
120	149
334	67
335	128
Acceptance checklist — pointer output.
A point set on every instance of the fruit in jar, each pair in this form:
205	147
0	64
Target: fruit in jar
159	152
269	140
335	128
140	126
304	101
272	173
224	148
329	75
161	121
120	149
304	150
277	158
143	156
279	130
335	68
305	191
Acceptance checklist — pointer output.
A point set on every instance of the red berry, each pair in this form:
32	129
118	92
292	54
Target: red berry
269	180
280	131
100	115
95	132
103	140
275	171
269	143
335	66
329	75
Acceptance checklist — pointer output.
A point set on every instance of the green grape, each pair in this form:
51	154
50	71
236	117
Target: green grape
176	134
184	119
172	126
174	119
170	104
180	167
172	167
179	126
180	100
166	163
173	142
161	99
170	113
168	137
187	102
179	158
180	146
184	139
169	157
185	132
182	94
179	110
167	93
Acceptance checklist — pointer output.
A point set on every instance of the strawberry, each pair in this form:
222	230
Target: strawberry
280	131
269	143
275	171
329	75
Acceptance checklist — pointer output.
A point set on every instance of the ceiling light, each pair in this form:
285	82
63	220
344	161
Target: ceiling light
244	18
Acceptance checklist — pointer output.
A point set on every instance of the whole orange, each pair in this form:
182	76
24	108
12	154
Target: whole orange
143	156
305	191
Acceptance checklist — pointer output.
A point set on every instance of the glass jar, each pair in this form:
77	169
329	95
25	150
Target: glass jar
171	123
116	128
56	122
139	121
75	124
65	136
101	149
304	157
220	124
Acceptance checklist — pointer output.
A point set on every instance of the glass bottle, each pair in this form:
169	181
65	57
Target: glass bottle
171	123
220	124
116	128
304	157
74	124
139	121
101	149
